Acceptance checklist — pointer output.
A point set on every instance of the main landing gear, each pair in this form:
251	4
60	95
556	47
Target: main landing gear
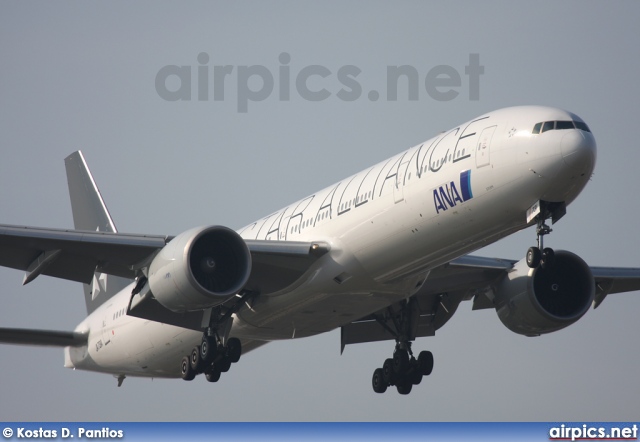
402	370
217	351
211	358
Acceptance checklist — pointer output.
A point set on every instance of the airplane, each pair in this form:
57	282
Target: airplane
382	255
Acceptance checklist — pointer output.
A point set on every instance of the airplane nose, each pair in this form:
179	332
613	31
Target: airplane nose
579	151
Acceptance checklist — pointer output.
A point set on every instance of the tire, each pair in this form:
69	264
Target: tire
416	377
387	371
548	257
533	258
425	363
187	373
377	382
400	361
212	375
224	365
207	349
195	360
234	350
404	387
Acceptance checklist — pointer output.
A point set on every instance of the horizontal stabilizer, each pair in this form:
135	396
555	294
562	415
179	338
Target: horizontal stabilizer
47	338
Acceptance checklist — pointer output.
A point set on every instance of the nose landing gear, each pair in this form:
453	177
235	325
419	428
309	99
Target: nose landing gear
540	256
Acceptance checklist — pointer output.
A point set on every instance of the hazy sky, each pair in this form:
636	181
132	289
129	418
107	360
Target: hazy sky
82	75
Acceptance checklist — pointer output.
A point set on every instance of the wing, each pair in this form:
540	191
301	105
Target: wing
466	278
614	280
48	338
608	280
76	255
435	302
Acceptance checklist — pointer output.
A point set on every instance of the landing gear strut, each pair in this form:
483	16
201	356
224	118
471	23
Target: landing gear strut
217	351
403	370
540	256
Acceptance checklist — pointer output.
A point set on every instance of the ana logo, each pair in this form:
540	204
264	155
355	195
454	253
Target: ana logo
448	195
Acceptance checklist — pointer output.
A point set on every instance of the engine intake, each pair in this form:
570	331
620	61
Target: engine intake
532	302
200	268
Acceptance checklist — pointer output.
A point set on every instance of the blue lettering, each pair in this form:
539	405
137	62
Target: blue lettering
446	196
437	202
454	193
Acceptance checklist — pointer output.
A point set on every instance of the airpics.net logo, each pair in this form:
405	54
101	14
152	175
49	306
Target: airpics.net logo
246	84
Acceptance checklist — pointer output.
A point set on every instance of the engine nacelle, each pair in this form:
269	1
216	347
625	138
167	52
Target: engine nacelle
200	268
532	302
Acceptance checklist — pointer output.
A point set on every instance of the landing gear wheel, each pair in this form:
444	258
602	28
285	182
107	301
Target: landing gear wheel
425	363
400	361
415	377
404	387
378	382
207	349
212	375
224	364
548	257
234	349
387	371
533	257
195	360
187	373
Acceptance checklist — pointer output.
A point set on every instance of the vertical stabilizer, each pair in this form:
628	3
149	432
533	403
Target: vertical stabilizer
89	210
91	213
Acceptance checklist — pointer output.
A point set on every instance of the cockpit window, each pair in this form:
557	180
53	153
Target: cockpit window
582	126
564	125
548	125
536	128
559	125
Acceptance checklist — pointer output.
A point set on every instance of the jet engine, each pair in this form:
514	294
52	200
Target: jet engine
200	268
532	302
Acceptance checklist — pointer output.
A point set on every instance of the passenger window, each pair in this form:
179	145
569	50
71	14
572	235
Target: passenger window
548	126
536	128
564	125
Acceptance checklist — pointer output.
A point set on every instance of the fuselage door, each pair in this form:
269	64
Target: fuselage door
106	322
483	148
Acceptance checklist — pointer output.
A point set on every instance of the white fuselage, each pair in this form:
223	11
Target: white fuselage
387	227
